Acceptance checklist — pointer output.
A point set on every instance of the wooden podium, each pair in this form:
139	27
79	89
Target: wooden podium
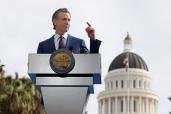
68	94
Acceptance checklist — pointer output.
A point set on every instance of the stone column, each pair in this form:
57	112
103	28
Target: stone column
152	105
113	103
156	107
128	104
109	105
140	105
109	85
148	107
142	84
116	105
114	84
124	104
131	84
104	106
132	104
143	105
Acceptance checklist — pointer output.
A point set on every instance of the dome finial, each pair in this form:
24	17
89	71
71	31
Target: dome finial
128	37
127	43
127	33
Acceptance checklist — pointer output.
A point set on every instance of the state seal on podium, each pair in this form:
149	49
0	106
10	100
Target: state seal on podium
62	61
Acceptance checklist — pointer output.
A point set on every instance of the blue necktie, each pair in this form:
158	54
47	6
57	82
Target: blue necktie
61	42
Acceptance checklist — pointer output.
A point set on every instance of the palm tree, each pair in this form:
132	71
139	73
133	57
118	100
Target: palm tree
19	95
2	72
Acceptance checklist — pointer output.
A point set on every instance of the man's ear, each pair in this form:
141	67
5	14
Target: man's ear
53	21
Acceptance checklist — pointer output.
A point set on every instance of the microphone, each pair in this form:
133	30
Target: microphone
71	49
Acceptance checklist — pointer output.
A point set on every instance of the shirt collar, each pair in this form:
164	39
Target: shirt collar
56	36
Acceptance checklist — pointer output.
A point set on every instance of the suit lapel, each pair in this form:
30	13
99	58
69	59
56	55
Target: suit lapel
52	44
69	43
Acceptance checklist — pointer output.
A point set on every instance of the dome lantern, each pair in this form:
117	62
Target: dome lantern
128	43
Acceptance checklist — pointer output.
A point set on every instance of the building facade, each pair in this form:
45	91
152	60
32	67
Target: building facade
128	86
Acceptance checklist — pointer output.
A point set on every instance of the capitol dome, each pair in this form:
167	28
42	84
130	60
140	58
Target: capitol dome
128	85
135	61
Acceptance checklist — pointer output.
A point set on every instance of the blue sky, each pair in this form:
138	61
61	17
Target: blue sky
24	23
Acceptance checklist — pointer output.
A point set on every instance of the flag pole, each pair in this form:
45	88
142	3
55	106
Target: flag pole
128	83
126	63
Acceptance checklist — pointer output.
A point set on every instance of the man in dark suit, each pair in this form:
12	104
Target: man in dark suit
61	22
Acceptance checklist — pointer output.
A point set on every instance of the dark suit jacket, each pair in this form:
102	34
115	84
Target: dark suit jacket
73	44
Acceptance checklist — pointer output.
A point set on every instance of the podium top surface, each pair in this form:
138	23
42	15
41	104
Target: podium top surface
84	64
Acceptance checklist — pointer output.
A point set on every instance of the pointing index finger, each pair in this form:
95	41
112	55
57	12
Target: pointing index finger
88	24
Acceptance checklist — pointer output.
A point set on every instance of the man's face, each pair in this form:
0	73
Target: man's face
62	22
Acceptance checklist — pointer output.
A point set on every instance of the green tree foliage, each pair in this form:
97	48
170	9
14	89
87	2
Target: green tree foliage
2	72
19	95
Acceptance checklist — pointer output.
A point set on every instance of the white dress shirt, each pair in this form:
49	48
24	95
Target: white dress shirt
56	40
